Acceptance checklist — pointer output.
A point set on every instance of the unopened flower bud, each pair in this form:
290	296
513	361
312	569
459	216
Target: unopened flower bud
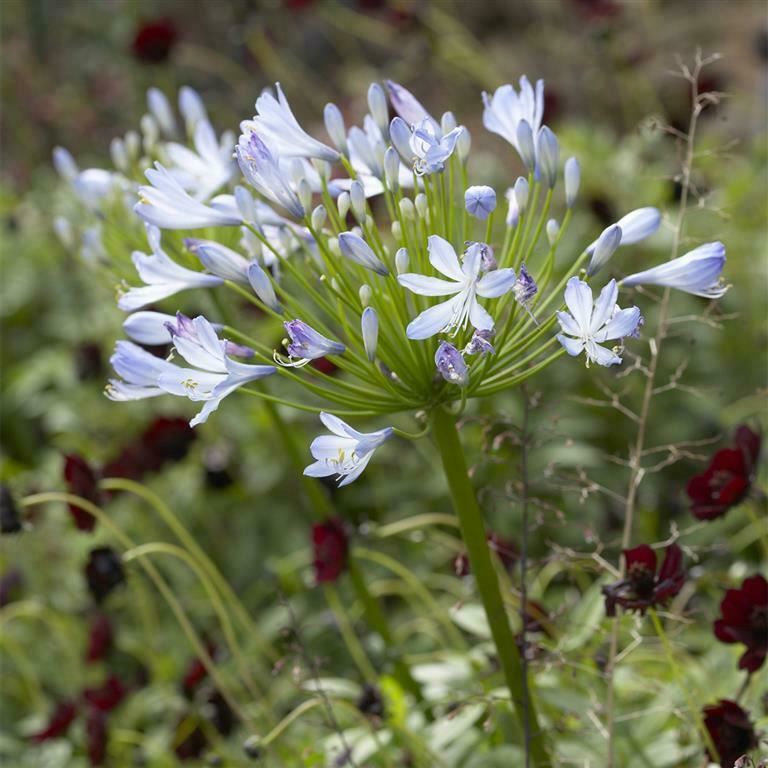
65	164
132	144
480	201
572	177
400	136
364	292
526	145
304	193
377	105
323	168
63	229
357	200
407	209
605	247
553	229
119	154
149	131
513	210
421	205
522	191
548	155
160	109
263	288
397	231
463	145
334	124
319	216
370	329
333	246
343	203
402	260
356	249
392	169
447	122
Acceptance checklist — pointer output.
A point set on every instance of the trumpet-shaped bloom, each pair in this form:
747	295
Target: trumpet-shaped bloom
213	376
431	148
262	170
307	344
506	109
206	168
698	272
163	276
585	327
346	452
275	121
464	285
166	204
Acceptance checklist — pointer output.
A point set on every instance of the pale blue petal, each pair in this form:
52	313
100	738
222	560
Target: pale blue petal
428	286
479	317
496	283
622	324
604	306
443	258
578	299
572	346
431	321
568	324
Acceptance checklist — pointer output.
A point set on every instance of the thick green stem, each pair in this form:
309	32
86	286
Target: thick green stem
474	535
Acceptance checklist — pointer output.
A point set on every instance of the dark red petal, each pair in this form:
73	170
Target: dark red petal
642	556
58	725
100	638
753	658
672	567
330	545
81	481
108	695
736	608
96	736
749	443
755	588
728	460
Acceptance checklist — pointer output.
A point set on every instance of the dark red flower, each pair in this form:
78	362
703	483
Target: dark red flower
103	572
96	736
166	440
100	638
82	481
128	464
196	672
63	716
10	522
154	40
745	620
731	731
108	695
330	545
190	739
727	479
643	587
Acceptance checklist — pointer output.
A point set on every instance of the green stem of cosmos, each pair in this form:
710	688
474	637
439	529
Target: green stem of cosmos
474	535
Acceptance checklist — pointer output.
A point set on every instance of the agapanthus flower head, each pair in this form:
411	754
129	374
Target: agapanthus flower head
305	344
450	364
330	547
82	480
728	478
345	452
731	730
10	522
586	326
464	284
644	587
697	272
745	620
103	572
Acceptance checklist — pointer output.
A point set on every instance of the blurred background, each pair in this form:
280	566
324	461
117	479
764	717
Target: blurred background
75	74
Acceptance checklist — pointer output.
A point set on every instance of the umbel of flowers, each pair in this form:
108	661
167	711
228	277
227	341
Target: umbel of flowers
445	299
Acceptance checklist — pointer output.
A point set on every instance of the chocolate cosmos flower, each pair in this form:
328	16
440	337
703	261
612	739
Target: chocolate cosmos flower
727	479
103	572
731	731
745	620
642	587
82	481
330	546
